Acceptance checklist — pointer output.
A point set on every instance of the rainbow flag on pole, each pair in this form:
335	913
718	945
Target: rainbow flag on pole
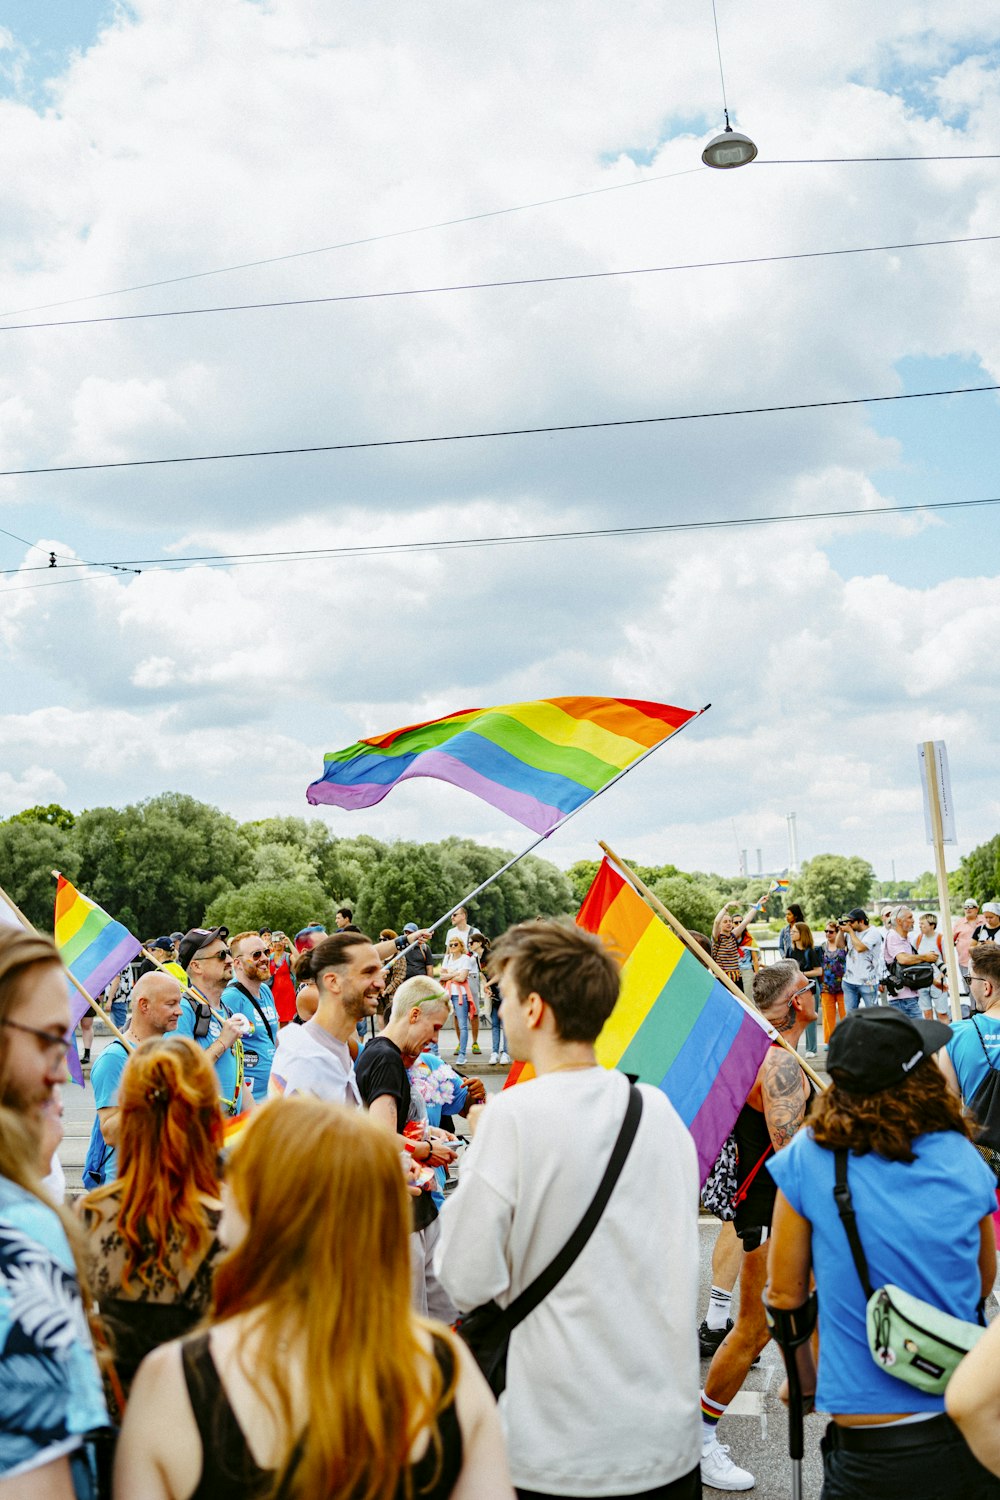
675	1025
538	761
93	946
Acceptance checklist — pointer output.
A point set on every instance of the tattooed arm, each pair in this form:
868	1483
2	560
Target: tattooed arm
784	1093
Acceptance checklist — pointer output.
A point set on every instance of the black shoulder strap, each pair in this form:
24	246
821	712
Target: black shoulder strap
849	1219
554	1272
256	1005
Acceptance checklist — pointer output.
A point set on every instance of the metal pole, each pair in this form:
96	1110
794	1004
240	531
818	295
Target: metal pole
937	832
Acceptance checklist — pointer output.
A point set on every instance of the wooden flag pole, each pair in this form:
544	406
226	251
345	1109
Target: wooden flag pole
937	835
706	958
71	977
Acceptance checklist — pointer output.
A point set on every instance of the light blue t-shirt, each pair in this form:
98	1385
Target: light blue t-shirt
967	1053
919	1227
105	1077
226	1068
50	1389
258	1047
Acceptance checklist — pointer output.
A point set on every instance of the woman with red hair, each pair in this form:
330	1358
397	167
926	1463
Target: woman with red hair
151	1234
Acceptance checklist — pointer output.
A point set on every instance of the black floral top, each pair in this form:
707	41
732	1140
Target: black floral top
141	1317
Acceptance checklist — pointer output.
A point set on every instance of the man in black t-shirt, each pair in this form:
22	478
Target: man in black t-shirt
384	1085
419	960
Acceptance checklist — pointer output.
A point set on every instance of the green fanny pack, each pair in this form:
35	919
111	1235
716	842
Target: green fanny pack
908	1338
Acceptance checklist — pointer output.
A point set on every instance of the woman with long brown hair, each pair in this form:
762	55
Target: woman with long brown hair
150	1235
316	1381
890	1133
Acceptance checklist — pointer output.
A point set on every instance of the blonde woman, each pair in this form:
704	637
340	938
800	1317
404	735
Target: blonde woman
290	1393
455	978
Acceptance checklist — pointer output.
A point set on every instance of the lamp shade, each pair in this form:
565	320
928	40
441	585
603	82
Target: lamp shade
730	149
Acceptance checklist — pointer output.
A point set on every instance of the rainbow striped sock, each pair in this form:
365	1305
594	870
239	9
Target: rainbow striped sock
711	1415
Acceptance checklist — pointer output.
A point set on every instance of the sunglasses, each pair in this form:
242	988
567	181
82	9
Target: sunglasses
50	1040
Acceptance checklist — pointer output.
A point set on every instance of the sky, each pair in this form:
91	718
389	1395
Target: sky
150	148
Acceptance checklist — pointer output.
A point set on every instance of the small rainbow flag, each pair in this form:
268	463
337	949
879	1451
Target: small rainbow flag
538	761
781	884
675	1025
93	946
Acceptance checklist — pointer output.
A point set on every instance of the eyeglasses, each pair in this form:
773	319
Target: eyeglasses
50	1041
806	990
258	953
975	978
222	953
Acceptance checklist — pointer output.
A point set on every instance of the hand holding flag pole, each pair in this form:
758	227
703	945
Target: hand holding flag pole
706	958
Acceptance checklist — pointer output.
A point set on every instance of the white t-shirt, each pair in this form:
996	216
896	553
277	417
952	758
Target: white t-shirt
602	1392
308	1060
864	968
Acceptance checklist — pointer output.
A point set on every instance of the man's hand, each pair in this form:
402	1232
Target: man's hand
476	1090
440	1155
229	1033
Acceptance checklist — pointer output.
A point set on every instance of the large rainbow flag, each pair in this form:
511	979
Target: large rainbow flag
94	947
538	761
675	1025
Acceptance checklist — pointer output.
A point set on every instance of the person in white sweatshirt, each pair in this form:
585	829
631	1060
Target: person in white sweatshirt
601	1395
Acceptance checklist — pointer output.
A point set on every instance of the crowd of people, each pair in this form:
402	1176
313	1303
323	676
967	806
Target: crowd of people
258	1294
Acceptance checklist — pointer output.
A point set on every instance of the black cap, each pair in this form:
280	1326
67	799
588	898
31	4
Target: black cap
163	942
857	914
199	937
875	1049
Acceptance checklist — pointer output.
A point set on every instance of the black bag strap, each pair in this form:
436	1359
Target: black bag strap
982	1044
256	1005
526	1302
849	1219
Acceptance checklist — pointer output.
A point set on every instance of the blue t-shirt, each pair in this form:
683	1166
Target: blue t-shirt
967	1054
258	1047
919	1227
50	1389
105	1077
227	1067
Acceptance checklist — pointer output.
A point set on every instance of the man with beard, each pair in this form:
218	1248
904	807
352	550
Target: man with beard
50	1388
204	1015
249	995
315	1058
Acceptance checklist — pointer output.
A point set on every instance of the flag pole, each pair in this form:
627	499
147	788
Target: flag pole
19	914
707	959
548	834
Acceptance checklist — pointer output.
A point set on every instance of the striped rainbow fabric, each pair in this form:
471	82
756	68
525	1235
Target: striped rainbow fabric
537	761
93	946
675	1025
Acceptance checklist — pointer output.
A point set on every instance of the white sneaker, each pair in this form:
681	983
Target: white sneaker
718	1470
460	1059
494	1059
505	1057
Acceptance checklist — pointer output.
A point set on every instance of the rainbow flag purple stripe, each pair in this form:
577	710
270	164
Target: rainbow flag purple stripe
536	761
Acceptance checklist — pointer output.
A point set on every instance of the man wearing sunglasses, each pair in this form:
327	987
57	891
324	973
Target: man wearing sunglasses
249	994
773	1112
204	954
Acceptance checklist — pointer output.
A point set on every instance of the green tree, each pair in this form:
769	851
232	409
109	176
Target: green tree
692	902
344	865
980	871
581	877
406	885
159	864
54	814
285	904
29	852
831	884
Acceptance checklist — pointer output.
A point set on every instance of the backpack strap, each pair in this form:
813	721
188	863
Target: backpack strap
256	1005
849	1219
526	1302
982	1044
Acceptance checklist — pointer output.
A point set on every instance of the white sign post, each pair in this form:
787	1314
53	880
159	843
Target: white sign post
939	820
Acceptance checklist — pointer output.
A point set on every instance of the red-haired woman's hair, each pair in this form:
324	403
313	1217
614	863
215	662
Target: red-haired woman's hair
321	1189
169	1139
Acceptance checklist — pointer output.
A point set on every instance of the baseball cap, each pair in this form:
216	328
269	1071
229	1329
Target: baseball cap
876	1049
410	927
163	942
856	914
993	907
175	937
971	901
199	937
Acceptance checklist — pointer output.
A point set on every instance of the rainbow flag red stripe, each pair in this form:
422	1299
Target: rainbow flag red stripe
675	1025
94	947
536	761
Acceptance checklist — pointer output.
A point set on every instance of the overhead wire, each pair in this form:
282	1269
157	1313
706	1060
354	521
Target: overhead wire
453	544
503	432
516	281
492	213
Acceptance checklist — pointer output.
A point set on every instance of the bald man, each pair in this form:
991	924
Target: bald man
156	1008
